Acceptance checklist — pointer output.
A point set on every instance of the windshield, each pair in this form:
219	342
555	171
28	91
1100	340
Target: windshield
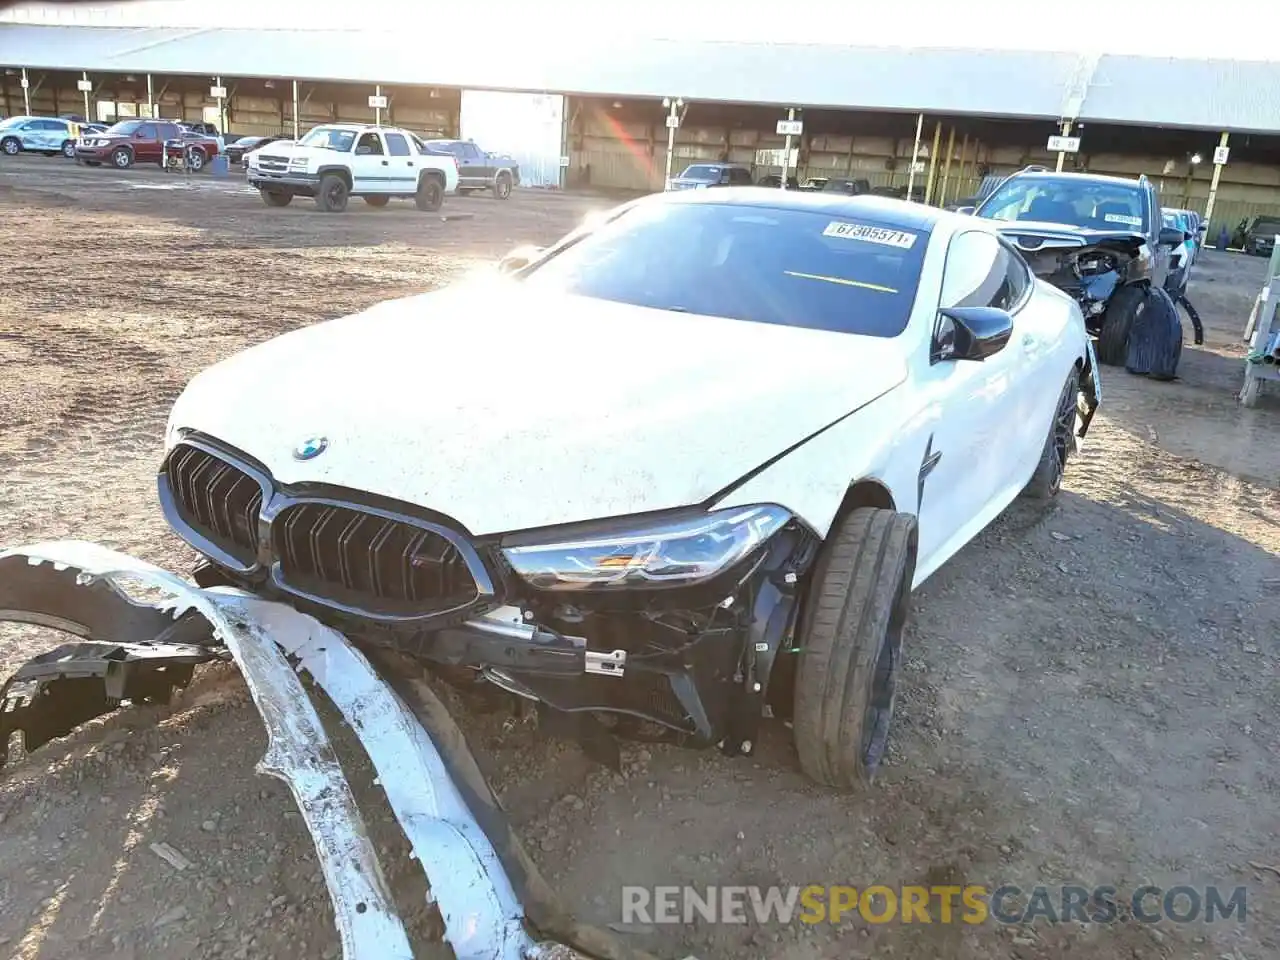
125	128
329	138
701	171
797	268
1068	200
1267	226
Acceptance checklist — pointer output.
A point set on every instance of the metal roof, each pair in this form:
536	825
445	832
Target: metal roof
1212	94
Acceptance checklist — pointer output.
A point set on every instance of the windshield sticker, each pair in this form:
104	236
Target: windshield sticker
1123	218
859	231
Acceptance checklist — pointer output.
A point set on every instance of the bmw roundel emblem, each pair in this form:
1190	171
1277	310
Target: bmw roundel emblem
310	448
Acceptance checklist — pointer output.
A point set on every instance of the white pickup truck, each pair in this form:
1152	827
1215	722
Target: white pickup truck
337	161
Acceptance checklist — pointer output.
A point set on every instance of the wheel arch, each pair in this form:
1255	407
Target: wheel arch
433	174
340	170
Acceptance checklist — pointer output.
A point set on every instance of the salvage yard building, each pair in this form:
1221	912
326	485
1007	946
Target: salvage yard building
598	114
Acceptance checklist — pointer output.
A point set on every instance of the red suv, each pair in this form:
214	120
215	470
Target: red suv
128	142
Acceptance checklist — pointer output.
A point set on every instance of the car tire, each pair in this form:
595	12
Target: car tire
850	646
502	186
273	198
332	194
377	202
195	160
69	149
430	195
1059	443
122	158
11	146
1113	341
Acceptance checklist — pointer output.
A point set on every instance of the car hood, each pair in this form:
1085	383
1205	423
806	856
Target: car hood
508	409
1065	231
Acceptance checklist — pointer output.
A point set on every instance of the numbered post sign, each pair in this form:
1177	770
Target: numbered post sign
84	86
790	128
377	102
673	123
1064	144
218	93
1220	155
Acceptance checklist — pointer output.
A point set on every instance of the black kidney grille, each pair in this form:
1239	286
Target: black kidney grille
369	561
218	500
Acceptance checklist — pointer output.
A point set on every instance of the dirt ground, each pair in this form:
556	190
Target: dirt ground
1091	695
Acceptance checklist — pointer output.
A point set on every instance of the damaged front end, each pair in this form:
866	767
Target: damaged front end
671	626
494	904
1089	266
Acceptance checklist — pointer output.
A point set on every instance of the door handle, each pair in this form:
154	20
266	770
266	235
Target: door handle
411	163
384	163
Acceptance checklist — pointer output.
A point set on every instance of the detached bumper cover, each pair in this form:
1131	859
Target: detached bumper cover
81	588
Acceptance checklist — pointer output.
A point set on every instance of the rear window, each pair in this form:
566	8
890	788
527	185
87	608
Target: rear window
798	268
701	171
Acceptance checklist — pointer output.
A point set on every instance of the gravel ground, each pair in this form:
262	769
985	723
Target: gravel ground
1090	696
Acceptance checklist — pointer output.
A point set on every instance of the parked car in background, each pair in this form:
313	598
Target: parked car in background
479	169
774	180
698	176
986	187
1256	235
847	186
1184	220
337	161
48	135
237	150
1180	255
1100	239
813	184
128	142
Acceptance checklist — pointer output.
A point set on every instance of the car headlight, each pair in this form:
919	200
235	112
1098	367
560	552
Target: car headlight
671	553
298	163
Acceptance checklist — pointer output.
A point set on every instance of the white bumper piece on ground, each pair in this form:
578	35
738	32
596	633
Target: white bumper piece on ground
483	918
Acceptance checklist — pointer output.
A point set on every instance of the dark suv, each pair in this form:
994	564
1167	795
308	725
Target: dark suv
1256	235
1100	239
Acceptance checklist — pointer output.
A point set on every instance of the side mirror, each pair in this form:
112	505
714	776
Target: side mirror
1188	235
967	211
518	259
971	333
1171	236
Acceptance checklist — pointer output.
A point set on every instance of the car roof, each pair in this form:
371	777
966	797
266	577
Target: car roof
1074	175
899	213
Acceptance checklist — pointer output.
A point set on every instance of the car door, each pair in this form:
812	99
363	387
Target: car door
147	145
33	135
370	166
403	163
973	411
471	164
1160	254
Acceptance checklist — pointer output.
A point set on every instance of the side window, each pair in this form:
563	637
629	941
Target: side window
369	144
397	145
739	177
1019	276
976	273
147	131
50	125
470	151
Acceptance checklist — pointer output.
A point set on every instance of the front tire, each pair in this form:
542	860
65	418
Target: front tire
195	161
502	186
11	146
273	198
1059	444
332	194
1123	308
69	149
430	195
851	647
122	158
